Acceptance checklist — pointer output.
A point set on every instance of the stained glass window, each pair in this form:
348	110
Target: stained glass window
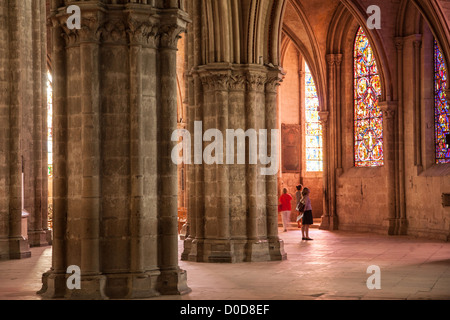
49	124
442	110
368	117
314	152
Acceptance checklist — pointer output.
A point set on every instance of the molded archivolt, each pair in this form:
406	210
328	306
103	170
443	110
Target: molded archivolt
437	14
345	16
303	37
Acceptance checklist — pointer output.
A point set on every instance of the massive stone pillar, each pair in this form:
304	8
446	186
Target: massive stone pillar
233	83
235	219
23	177
115	186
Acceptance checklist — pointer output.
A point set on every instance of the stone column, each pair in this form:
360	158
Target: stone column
54	281
400	192
38	229
276	245
116	110
327	218
4	131
87	40
143	75
338	62
257	246
237	172
330	145
173	280
18	246
242	226
417	103
389	109
256	80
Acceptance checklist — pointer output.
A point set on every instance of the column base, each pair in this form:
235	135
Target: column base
53	285
276	250
92	288
233	251
402	227
187	249
398	227
217	251
257	251
132	286
39	238
19	248
329	223
173	282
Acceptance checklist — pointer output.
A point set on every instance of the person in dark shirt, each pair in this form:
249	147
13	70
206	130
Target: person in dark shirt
307	216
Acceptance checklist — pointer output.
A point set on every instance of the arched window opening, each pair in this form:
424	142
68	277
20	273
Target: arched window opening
368	117
314	151
442	108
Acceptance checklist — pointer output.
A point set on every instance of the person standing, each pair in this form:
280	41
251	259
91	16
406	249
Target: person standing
298	198
307	216
286	208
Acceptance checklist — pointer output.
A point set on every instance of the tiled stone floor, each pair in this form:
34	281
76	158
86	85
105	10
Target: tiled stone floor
333	266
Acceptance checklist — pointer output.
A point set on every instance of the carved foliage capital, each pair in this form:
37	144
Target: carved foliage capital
114	31
256	81
389	109
212	81
90	31
142	32
170	34
272	84
237	82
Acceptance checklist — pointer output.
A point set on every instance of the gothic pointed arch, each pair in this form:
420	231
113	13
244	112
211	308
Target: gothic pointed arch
349	16
437	15
299	29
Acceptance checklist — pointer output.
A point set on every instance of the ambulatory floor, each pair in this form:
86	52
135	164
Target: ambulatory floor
332	266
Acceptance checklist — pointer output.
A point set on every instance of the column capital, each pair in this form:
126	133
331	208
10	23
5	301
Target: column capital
338	59
142	31
399	41
173	22
330	59
389	108
324	116
274	78
220	79
237	82
114	31
169	35
256	81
